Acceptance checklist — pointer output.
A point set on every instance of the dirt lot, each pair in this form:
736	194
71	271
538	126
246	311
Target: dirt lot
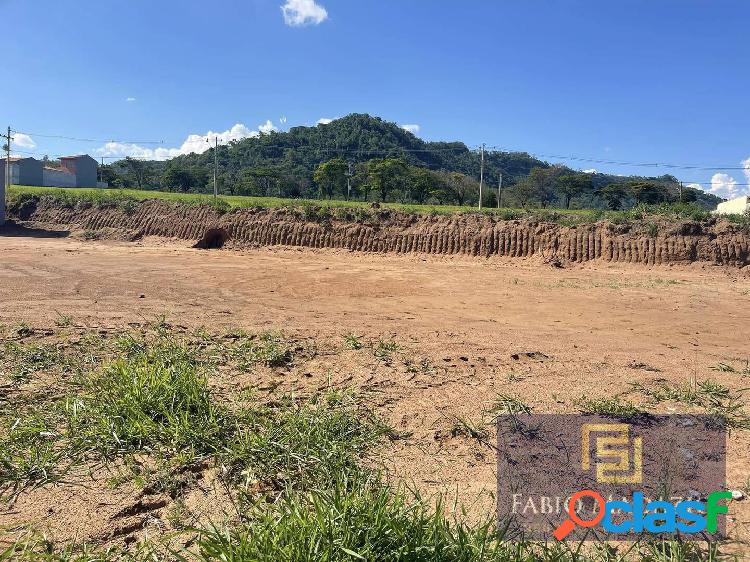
548	335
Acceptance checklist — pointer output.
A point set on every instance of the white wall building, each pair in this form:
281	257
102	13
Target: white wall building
737	206
58	177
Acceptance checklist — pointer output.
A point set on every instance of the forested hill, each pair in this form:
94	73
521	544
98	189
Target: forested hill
385	162
357	138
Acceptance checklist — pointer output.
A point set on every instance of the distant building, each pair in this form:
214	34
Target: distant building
737	206
74	171
23	171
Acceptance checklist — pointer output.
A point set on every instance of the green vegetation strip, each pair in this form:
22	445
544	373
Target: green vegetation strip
127	200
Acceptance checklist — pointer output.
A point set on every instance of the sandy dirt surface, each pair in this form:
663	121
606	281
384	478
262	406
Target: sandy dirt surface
546	334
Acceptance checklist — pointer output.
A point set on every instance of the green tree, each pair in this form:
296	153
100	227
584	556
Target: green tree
140	171
462	187
261	181
112	177
360	181
541	181
183	179
572	185
648	192
689	195
524	192
386	175
613	194
441	188
331	177
421	182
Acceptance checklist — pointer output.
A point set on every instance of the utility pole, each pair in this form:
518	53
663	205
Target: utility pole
101	172
500	191
216	165
349	182
481	177
6	183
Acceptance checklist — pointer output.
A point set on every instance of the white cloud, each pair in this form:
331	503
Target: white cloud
746	165
324	121
282	120
725	186
267	127
193	143
23	141
413	129
121	150
130	99
303	12
694	185
590	171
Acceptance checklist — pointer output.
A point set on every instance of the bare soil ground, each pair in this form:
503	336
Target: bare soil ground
467	329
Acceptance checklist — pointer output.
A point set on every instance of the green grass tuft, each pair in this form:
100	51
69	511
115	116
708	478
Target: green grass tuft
156	399
30	453
609	407
268	348
301	445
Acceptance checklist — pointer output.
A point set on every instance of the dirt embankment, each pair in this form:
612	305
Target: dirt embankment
388	231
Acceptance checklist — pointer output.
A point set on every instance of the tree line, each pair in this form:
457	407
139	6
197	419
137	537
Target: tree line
394	179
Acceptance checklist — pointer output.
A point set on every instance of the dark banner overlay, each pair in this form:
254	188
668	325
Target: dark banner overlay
545	459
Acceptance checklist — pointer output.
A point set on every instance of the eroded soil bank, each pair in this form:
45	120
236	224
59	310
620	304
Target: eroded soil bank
383	230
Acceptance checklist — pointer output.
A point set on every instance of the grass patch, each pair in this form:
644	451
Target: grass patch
509	405
157	399
352	341
154	399
714	398
20	362
63	320
367	520
743	371
465	427
609	407
514	408
30	453
383	350
304	468
353	521
127	200
301	445
36	548
268	348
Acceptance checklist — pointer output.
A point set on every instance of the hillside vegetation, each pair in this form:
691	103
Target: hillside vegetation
128	199
366	158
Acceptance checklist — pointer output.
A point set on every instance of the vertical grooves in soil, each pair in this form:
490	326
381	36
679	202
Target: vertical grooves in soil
475	235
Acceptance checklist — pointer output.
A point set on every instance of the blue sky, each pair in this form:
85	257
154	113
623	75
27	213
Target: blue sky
629	80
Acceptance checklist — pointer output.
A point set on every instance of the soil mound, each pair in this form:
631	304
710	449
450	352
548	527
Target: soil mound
384	230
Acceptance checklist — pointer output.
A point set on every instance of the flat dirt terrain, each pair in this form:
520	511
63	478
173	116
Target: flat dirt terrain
466	329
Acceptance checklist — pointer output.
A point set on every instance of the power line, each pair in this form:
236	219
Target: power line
86	140
381	151
625	163
461	148
428	150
